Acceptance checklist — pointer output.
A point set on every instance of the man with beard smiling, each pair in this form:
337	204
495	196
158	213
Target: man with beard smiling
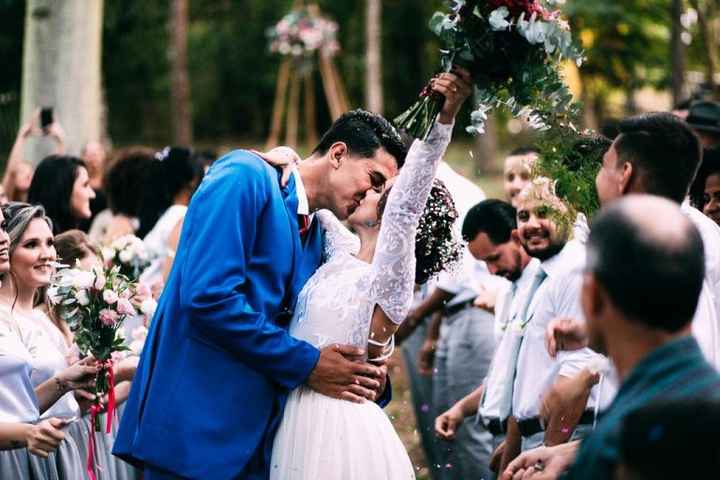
544	227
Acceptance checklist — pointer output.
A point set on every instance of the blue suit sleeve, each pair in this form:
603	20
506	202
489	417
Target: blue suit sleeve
386	397
219	239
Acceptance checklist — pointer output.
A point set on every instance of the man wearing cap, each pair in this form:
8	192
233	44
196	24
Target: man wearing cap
704	118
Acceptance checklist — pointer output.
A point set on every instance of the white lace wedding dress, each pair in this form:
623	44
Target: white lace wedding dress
321	437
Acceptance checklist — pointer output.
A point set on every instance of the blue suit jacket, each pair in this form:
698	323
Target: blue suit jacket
217	365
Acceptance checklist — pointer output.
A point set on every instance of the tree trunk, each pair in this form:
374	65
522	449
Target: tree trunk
373	62
709	40
180	110
677	53
61	69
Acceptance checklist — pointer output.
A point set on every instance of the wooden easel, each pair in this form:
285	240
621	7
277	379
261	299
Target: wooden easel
287	100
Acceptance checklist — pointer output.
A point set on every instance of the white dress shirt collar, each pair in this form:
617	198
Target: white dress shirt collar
303	205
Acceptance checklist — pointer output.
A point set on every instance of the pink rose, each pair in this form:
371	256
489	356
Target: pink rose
110	296
108	317
124	307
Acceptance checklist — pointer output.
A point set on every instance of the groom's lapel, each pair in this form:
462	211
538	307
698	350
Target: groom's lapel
310	258
291	206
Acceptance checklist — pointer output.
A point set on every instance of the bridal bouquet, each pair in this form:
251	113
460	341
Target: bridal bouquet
302	32
513	49
128	254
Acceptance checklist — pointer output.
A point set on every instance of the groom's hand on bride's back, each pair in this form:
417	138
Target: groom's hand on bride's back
342	373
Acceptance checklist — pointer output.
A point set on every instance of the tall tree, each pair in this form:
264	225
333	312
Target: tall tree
373	57
180	109
707	11
61	69
677	53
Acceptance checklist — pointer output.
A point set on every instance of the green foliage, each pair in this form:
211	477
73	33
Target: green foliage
233	77
572	160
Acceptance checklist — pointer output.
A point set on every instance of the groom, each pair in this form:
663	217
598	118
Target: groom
218	362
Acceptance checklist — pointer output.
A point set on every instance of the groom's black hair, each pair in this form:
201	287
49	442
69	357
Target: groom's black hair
363	132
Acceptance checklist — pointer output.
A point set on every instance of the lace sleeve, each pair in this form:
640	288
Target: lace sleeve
393	267
337	237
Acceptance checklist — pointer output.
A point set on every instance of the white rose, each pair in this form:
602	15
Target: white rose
125	256
82	297
108	253
82	279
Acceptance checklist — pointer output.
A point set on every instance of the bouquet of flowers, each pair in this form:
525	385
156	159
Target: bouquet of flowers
128	254
94	304
302	32
513	49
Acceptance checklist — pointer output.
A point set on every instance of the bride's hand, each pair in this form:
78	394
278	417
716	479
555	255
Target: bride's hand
284	157
456	86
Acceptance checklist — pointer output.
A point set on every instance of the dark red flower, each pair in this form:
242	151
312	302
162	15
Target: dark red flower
517	7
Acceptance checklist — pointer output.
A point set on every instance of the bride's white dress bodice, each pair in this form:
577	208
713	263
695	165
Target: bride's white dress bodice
336	304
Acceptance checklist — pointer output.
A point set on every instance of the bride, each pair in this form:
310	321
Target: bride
359	297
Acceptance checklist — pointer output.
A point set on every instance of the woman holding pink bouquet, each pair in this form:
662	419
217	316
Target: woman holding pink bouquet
35	379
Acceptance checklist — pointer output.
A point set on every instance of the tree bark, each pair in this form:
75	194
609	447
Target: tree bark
708	38
61	69
677	53
373	57
180	107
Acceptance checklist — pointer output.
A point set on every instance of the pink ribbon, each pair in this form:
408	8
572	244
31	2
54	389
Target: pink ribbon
94	410
108	365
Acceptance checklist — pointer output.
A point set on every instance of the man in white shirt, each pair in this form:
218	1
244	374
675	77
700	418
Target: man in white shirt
544	226
659	154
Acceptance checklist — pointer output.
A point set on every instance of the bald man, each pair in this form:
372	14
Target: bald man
643	277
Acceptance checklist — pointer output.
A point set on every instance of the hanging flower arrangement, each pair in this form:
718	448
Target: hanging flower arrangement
303	32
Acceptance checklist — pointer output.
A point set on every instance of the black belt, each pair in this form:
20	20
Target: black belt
453	309
531	426
496	426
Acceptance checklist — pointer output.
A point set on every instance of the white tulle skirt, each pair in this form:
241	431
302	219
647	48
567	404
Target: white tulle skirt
324	438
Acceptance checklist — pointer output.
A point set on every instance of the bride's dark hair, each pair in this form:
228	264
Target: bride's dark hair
436	248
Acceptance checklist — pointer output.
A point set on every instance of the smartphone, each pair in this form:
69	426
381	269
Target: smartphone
46	117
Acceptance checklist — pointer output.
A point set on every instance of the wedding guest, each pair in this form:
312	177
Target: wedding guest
62	186
125	184
517	172
94	156
643	279
704	118
544	227
705	190
490	228
19	172
658	154
177	172
31	253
